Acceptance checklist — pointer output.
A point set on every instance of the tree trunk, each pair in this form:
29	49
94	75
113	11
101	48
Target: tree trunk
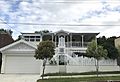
97	68
44	63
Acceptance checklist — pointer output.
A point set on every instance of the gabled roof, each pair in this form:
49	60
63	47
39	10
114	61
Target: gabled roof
17	42
62	31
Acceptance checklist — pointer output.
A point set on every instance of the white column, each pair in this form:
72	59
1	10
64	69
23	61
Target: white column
82	41
29	38
67	41
3	64
55	40
71	40
41	38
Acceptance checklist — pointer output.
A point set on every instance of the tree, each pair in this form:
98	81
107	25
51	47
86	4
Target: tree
97	52
112	51
108	43
45	51
43	31
6	31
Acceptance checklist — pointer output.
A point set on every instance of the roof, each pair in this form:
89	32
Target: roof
17	42
5	39
88	34
63	31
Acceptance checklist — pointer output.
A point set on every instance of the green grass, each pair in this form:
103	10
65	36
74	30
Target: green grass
84	73
81	79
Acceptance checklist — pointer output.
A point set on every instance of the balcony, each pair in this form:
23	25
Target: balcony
75	44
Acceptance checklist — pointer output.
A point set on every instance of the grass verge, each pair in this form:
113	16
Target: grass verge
81	79
84	73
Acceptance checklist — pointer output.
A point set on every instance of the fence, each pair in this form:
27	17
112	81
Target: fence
85	65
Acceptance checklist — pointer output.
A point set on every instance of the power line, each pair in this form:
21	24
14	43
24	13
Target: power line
54	24
3	22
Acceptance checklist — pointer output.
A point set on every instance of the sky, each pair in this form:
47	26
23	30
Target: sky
28	15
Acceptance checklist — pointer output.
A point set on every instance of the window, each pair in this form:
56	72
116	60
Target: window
32	36
26	39
37	36
32	39
26	36
37	39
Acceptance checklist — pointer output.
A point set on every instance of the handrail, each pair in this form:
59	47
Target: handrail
75	44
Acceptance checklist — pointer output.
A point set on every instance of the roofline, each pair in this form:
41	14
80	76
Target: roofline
69	33
34	33
87	33
20	41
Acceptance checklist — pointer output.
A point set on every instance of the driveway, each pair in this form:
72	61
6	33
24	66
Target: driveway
18	78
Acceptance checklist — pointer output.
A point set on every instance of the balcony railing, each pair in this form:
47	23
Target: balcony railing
75	44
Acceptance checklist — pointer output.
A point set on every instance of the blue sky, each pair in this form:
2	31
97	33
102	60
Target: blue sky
94	12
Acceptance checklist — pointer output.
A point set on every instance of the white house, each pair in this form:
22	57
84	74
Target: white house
70	50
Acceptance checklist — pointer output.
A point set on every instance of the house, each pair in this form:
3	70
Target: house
70	49
117	42
5	39
117	45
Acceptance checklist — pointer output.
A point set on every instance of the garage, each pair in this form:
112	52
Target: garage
18	58
22	64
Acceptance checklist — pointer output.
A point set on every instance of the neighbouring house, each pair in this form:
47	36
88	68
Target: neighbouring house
70	51
117	45
117	42
5	39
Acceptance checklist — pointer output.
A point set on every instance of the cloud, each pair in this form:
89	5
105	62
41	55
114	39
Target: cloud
44	11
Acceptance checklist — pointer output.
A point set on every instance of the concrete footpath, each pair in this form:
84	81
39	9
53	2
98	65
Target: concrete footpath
18	78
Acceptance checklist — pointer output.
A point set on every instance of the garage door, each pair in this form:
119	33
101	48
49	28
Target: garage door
22	64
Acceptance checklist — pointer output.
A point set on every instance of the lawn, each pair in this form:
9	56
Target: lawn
84	73
81	79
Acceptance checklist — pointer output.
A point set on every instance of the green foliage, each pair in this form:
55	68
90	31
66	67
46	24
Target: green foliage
19	38
108	43
111	40
43	31
96	51
45	49
6	31
101	52
112	51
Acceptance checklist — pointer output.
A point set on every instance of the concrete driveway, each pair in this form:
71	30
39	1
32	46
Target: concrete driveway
18	78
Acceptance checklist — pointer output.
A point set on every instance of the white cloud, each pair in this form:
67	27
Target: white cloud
4	6
41	12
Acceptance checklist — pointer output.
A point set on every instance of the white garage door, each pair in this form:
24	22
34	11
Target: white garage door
22	64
